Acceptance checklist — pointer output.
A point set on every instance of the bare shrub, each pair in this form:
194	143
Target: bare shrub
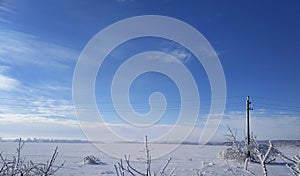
124	167
17	166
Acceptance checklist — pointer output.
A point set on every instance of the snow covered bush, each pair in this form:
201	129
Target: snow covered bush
17	166
259	153
238	150
92	160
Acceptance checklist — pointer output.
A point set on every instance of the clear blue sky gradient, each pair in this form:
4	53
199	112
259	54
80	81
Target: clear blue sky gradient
258	44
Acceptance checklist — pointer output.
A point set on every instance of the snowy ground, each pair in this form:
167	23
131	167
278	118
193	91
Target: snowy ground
187	159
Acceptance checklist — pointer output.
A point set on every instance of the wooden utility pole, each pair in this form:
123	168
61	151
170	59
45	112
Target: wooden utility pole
248	124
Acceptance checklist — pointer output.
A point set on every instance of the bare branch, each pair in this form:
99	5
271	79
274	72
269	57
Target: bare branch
128	168
18	167
165	166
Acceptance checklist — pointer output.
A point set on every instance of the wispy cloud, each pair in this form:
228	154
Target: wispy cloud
183	54
6	10
18	48
5	7
180	53
33	107
38	117
20	52
125	1
7	83
38	107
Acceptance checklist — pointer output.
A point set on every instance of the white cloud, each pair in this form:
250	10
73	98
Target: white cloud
34	125
14	118
7	83
40	117
263	125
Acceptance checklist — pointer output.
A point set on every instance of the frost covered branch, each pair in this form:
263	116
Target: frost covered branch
263	158
295	166
48	168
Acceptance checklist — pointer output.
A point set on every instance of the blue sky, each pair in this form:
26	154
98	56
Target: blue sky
257	44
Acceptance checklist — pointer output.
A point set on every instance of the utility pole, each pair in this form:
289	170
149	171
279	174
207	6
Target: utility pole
248	124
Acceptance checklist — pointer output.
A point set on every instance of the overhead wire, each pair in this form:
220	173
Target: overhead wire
172	104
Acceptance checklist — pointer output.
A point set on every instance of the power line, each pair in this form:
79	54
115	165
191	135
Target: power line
107	106
278	105
274	99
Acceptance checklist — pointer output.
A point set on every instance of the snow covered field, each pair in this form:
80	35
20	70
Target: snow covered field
187	159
